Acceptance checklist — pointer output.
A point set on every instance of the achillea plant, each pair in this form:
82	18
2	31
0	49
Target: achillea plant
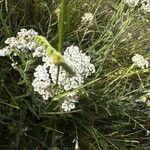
46	74
66	98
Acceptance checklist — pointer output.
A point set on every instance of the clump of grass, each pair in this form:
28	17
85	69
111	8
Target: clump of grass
109	115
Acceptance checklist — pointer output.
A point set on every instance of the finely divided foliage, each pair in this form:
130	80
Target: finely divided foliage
76	75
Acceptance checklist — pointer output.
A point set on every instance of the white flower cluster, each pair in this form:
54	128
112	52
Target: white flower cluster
46	74
78	61
69	103
132	3
145	98
145	4
42	81
6	51
38	52
22	42
139	61
87	18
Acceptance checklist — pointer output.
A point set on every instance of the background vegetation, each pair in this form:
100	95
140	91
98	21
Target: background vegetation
109	116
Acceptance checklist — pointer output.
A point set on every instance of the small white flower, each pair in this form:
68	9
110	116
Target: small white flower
5	51
88	17
57	12
9	40
139	61
69	103
24	41
14	65
38	52
143	99
31	45
26	34
132	3
85	4
146	5
42	82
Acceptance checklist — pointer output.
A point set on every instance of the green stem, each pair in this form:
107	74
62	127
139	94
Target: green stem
61	25
61	31
61	28
26	79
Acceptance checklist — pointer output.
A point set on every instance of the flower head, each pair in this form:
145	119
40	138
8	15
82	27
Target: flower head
88	18
42	81
132	3
22	42
146	5
139	61
69	103
46	75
